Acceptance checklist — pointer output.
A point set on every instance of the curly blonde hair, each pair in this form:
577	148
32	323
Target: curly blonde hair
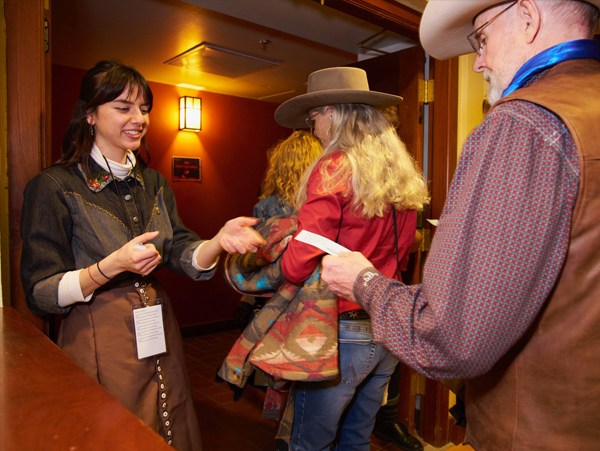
377	168
286	163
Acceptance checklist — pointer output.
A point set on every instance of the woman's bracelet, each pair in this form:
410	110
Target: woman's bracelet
90	273
100	271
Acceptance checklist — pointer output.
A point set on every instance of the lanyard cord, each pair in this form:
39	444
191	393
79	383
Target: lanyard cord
396	245
123	203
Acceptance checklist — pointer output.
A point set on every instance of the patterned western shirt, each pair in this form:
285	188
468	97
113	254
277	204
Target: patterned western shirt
497	253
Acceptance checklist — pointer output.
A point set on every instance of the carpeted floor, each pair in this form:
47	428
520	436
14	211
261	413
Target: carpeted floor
233	426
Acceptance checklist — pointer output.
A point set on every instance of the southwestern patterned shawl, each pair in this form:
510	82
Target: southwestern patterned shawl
294	336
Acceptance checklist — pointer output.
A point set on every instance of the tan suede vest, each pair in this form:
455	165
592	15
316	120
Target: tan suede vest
544	394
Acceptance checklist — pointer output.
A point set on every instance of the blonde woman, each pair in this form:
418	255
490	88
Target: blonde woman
364	193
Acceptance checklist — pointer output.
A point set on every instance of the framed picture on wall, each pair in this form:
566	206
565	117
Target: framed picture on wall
187	169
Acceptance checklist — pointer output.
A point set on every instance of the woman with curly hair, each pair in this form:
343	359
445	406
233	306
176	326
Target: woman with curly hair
363	193
287	161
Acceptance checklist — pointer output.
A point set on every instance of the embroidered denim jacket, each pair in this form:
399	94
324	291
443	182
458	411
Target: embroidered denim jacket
70	223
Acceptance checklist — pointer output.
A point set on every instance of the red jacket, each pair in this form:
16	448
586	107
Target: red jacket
331	216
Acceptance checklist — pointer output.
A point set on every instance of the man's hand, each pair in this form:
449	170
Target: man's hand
340	272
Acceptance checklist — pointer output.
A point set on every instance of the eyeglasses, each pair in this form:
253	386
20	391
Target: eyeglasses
474	38
310	120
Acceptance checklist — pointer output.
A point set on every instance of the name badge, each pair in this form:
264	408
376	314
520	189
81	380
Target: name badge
149	330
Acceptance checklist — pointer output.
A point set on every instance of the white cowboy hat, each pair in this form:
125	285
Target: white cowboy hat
446	23
328	87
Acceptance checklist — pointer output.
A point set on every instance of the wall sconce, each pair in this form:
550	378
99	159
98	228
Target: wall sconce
190	113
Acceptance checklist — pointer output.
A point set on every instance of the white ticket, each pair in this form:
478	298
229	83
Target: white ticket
325	244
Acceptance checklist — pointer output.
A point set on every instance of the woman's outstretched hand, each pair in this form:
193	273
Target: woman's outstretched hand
238	237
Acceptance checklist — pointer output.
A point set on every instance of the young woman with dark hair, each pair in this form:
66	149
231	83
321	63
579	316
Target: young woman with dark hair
94	227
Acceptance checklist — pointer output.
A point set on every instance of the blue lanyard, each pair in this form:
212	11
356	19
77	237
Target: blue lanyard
578	49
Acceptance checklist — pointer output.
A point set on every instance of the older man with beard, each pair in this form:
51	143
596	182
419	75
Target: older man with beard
510	298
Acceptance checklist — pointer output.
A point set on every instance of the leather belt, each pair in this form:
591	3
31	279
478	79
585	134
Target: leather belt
354	314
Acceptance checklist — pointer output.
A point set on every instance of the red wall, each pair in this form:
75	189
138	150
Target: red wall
235	136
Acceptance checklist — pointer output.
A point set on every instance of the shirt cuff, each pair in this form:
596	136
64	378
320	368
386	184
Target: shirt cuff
363	287
69	289
195	254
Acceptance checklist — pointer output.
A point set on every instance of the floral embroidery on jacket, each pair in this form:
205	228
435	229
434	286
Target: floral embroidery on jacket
101	177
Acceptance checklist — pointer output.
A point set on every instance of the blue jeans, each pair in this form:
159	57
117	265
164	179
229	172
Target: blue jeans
343	410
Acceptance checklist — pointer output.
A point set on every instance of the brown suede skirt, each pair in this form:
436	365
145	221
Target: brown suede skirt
99	337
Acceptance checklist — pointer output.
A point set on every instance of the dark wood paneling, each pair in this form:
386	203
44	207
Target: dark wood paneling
435	413
457	433
442	162
408	398
411	128
28	123
387	14
436	427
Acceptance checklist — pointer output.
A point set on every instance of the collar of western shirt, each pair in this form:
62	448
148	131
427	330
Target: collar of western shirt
577	49
100	172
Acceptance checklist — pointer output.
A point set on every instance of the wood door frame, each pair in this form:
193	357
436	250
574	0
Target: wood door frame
443	132
4	210
438	427
28	133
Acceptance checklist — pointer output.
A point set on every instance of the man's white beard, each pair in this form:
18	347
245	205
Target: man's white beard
494	88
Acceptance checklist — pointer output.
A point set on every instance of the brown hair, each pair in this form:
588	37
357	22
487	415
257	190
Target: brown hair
103	83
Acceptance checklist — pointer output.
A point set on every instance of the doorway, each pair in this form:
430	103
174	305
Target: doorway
28	81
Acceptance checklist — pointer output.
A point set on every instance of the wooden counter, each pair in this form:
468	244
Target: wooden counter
48	403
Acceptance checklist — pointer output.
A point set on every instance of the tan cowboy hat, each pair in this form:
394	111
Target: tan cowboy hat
446	23
328	87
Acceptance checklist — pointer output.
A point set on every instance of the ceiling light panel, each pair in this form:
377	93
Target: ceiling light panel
219	60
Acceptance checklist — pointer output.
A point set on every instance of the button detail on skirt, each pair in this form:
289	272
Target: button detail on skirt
163	395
